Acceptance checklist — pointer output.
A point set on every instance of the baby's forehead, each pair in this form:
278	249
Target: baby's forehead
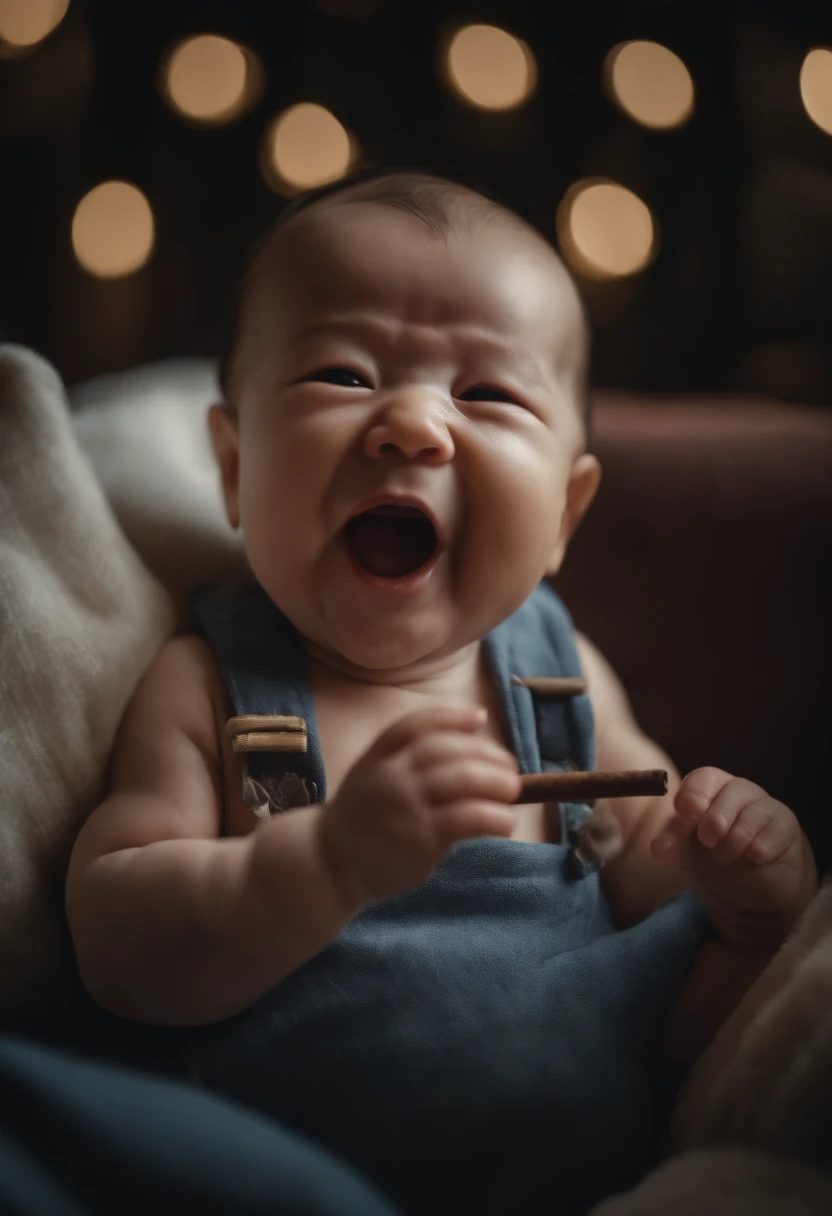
322	252
339	233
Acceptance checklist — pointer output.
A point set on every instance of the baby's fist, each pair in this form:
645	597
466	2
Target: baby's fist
734	818
745	855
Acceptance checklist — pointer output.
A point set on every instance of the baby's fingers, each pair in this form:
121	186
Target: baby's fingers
772	828
698	790
735	821
472	778
727	813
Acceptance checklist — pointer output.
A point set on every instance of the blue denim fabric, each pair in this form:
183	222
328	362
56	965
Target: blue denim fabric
484	1043
78	1138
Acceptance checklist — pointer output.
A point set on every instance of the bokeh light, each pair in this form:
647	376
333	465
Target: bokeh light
112	230
306	146
210	79
604	230
491	69
816	87
650	84
23	23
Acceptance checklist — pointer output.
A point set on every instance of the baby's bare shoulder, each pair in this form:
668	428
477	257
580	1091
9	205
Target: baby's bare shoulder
176	694
634	883
177	704
186	656
620	742
166	771
610	702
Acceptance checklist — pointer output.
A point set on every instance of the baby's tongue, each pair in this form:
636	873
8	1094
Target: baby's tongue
391	545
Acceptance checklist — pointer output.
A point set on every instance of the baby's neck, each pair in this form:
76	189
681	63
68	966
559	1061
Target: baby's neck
457	676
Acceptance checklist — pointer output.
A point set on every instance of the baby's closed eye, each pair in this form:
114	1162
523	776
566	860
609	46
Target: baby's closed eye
339	376
484	392
346	377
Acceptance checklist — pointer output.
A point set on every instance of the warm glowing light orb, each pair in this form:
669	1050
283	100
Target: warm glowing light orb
650	83
816	87
26	22
490	68
209	78
604	230
112	230
306	146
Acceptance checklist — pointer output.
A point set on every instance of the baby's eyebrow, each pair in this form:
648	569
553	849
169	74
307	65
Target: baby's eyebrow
317	328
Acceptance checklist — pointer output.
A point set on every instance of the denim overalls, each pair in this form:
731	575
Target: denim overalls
484	1043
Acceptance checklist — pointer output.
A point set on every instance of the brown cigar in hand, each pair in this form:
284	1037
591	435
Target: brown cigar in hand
584	787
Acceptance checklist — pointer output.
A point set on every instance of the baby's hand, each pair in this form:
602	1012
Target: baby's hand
427	782
745	854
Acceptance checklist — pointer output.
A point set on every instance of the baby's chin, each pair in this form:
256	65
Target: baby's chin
372	657
381	643
385	664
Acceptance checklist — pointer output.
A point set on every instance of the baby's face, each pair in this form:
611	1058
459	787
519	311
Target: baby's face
375	358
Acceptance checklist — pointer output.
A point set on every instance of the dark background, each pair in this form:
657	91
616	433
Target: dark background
738	299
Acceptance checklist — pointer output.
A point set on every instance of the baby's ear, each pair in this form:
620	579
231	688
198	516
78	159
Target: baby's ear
584	480
223	425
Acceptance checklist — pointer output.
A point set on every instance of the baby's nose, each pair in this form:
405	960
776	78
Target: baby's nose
412	424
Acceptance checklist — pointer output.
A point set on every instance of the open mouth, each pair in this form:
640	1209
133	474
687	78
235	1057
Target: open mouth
391	541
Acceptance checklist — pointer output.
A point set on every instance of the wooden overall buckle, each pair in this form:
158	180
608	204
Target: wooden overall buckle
267	733
552	686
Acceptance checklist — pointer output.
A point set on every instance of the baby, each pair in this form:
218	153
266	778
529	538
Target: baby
363	934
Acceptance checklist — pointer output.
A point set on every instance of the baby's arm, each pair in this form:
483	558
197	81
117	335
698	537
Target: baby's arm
171	924
175	926
746	856
721	836
775	887
634	882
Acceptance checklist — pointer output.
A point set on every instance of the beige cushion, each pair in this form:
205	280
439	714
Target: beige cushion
726	1182
766	1080
80	619
145	433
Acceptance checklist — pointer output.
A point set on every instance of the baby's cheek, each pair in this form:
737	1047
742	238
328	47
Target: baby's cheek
276	529
525	519
504	549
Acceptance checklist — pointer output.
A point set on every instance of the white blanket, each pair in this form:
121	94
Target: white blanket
80	619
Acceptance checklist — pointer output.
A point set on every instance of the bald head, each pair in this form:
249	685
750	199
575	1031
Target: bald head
449	212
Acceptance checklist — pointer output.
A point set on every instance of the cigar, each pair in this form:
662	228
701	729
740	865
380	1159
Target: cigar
583	787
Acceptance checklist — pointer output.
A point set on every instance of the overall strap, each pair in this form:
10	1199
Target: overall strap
548	732
264	668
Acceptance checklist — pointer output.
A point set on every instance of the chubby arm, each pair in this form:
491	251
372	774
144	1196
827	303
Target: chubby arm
634	882
172	925
752	899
